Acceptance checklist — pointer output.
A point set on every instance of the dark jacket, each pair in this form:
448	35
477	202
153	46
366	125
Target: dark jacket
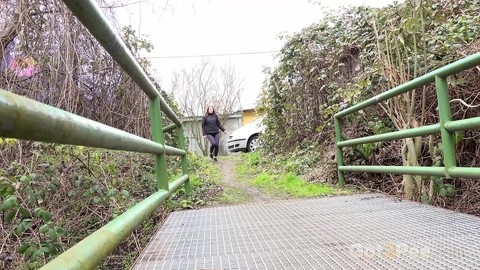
211	124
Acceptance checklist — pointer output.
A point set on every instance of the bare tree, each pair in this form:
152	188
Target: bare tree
206	85
47	55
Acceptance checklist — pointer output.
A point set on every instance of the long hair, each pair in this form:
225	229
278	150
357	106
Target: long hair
213	112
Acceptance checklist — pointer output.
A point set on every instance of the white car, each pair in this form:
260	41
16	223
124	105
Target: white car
245	138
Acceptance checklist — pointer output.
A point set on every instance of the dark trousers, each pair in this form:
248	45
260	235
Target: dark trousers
214	142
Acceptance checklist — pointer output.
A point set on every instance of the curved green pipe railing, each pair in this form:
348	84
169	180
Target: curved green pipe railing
92	250
26	119
446	127
92	17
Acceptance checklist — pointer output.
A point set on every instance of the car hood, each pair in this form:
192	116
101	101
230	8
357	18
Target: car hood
246	131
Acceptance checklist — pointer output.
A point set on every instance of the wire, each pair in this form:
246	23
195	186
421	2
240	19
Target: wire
112	6
210	55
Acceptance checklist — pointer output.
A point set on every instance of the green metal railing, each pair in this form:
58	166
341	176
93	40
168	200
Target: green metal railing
446	127
26	119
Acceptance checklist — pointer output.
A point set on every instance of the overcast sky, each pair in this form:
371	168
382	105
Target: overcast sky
204	27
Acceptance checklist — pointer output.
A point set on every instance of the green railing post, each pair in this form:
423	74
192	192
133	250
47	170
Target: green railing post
181	145
26	119
338	138
445	114
157	136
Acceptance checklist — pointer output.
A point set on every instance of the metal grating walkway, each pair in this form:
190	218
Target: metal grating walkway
351	232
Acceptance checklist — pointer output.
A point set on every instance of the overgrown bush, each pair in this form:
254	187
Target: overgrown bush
64	193
52	196
355	53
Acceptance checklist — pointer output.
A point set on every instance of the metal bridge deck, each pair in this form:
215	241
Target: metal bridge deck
349	232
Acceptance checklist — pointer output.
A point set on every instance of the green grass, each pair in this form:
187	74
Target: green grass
252	170
204	168
231	195
205	181
234	157
291	184
247	167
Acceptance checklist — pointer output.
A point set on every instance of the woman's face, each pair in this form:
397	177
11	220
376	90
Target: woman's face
210	109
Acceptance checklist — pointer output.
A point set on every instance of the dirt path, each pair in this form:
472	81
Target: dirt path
228	174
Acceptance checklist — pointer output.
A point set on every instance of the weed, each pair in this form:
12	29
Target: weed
233	195
291	184
255	170
64	193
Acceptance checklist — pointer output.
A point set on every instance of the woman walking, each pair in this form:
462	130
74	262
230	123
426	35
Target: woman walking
211	127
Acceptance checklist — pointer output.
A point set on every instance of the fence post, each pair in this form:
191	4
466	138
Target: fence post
445	114
181	145
338	138
157	136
